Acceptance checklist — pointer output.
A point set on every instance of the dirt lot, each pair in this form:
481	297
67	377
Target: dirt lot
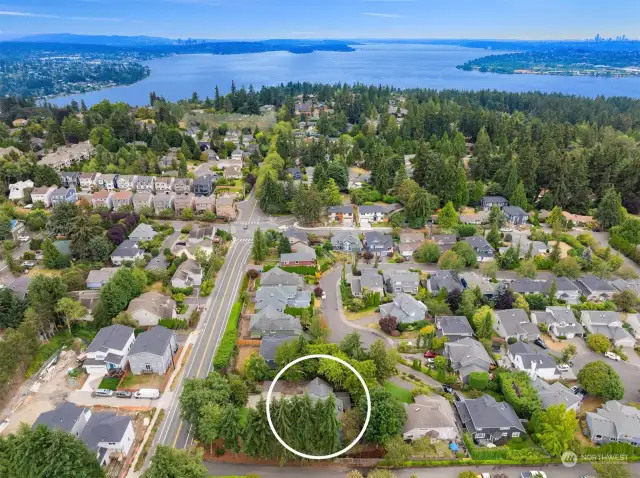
244	352
564	248
553	345
243	327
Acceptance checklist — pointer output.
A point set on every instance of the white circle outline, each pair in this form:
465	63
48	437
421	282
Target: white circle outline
366	421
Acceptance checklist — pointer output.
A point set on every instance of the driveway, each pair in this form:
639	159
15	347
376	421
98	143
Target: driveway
84	398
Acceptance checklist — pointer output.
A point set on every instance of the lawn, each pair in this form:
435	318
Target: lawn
402	394
109	383
142	381
371	312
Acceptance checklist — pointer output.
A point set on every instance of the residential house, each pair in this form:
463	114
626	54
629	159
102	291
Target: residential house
430	416
142	200
567	290
467	355
268	346
608	324
188	274
614	422
471	280
43	195
296	237
482	248
145	183
182	185
402	281
168	161
164	184
475	218
371	214
526	358
108	181
559	320
151	307
378	243
122	199
201	233
368	281
97	278
527	248
281	297
104	433
127	181
16	228
20	286
528	286
270	322
633	321
236	155
577	219
632	285
276	277
109	349
163	201
232	172
102	198
204	203
304	258
143	232
226	207
246	139
89	299
595	289
63	195
296	173
184	201
405	309
489	421
514	323
127	251
65	156
487	202
341	214
453	327
556	394
69	179
445	241
16	190
409	243
153	351
346	241
515	215
445	279
203	186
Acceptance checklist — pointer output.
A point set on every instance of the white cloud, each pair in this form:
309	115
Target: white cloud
383	15
46	15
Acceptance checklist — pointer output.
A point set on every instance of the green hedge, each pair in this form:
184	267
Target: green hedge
173	324
182	290
620	244
227	346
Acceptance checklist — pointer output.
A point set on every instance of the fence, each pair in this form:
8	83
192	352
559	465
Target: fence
248	342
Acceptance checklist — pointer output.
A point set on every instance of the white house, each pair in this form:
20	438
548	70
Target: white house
127	251
109	349
16	190
525	358
188	274
89	180
43	195
559	320
609	324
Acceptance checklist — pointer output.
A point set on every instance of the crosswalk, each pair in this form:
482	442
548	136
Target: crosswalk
244	240
248	223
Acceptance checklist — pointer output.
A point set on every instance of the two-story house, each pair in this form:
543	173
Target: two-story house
341	214
145	183
484	251
487	202
43	195
466	356
556	394
69	179
127	251
108	181
515	215
401	281
16	190
515	324
445	241
409	243
371	214
609	324
97	278
232	172
109	349
89	181
270	322
127	181
182	185
369	281
184	201
526	358
153	351
141	200
445	279
378	243
489	421
559	320
63	195
204	203
122	199
281	297
163	201
614	422
595	289
102	198
276	277
236	154
405	309
346	241
188	274
203	186
164	184
226	207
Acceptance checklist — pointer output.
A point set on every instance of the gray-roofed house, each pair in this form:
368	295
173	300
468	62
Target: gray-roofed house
608	324
127	251
372	214
632	285
281	297
472	280
409	243
143	232
567	290
525	286
446	279
467	355
64	195
295	236
96	279
514	323
535	248
402	281
70	179
369	280
109	349
67	416
270	322
482	248
556	394
487	202
268	346
201	232
188	274
278	277
142	199
377	242
614	422
151	307
182	185
184	201
404	308
515	215
89	299
107	181
527	359
489	421
430	416
145	183
453	327
127	181
341	214
445	241
303	258
346	241
163	201
595	289
559	320
153	351
203	186
318	389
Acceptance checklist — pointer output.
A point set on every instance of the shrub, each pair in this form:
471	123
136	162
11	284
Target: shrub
227	346
173	324
206	287
479	380
598	343
388	324
511	340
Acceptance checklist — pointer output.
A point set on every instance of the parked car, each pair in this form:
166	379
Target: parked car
430	354
563	367
533	474
24	238
151	393
540	343
612	356
578	391
102	392
429	362
29	264
324	295
506	229
447	388
123	394
181	243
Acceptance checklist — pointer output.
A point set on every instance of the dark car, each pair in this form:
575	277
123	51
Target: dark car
181	243
123	394
540	343
447	389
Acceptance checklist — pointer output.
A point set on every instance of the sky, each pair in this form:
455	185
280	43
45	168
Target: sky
253	19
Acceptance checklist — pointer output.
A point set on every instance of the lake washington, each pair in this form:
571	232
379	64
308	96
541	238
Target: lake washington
403	66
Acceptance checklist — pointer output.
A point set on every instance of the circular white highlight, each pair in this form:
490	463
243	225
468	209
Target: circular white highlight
366	421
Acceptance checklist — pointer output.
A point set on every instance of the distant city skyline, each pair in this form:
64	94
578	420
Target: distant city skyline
352	19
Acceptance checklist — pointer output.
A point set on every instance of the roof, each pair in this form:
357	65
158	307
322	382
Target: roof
554	394
41	190
402	276
444	239
225	201
454	325
154	341
614	419
143	230
478	242
128	248
299	256
278	277
349	237
64	247
528	286
268	346
122	195
378	237
299	235
101	275
142	196
370	279
514	211
562	314
485	412
102	194
411	237
104	427
600	317
467	351
154	302
530	356
63	417
564	284
340	209
591	283
432	412
445	279
474	280
111	337
492	199
271	320
515	322
372	209
61	192
405	308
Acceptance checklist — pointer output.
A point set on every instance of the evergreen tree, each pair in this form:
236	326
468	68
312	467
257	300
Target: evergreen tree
258	441
448	217
331	194
512	180
481	159
486	327
610	212
284	246
493	236
478	192
462	189
259	250
519	196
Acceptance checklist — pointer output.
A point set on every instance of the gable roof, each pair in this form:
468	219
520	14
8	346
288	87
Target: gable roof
591	284
530	357
104	427
430	412
445	279
614	419
272	320
101	275
466	351
309	255
112	337
524	285
514	211
405	308
154	341
154	302
142	230
127	248
485	412
268	346
454	325
63	417
277	276
515	322
554	394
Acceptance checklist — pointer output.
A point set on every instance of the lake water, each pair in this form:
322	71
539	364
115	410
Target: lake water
427	66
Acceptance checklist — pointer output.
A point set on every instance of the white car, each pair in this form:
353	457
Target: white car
533	474
324	295
24	238
612	356
563	367
506	229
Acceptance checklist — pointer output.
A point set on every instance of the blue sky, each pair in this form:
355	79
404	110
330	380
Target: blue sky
253	19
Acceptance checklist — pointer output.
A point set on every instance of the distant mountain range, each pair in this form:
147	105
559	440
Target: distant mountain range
111	40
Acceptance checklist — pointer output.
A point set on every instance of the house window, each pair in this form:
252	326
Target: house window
479	435
147	366
598	437
505	434
514	434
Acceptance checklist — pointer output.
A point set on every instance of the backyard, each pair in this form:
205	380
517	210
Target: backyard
133	382
400	393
